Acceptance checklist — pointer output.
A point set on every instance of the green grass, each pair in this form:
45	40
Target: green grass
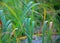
21	17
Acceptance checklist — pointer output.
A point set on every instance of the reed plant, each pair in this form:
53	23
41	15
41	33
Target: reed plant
18	12
20	17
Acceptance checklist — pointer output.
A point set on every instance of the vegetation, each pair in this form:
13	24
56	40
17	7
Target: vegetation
23	17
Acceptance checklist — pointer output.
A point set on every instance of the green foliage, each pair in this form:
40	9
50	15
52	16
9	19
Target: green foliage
29	27
20	17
